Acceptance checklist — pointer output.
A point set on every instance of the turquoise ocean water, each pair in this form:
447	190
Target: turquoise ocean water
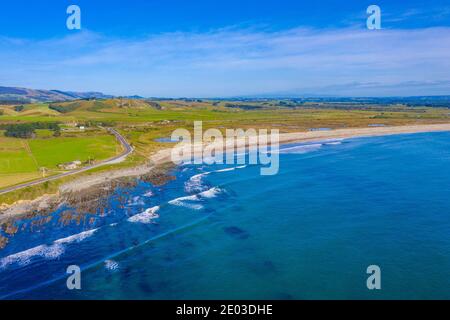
226	232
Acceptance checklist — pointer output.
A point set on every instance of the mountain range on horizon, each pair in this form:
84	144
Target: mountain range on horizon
26	95
20	95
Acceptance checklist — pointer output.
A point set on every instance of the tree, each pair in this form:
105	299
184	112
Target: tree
19	108
27	130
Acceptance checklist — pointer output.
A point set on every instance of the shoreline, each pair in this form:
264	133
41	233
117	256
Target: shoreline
163	157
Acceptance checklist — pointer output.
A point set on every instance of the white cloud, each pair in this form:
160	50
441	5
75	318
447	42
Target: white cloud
229	61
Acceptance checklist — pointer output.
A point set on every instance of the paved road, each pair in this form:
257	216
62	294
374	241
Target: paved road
123	155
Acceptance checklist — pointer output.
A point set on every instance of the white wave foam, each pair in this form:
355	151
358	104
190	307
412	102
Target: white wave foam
186	198
45	251
195	183
136	201
188	205
199	176
111	265
211	193
226	169
76	237
145	217
302	149
187	201
24	257
231	169
149	194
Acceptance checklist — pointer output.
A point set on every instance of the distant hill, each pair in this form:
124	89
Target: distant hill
93	105
24	95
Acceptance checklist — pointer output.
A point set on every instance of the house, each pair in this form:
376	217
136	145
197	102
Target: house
70	165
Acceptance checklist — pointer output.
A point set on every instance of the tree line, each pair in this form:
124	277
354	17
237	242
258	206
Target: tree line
27	130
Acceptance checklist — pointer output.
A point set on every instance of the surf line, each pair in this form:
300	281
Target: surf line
110	257
211	147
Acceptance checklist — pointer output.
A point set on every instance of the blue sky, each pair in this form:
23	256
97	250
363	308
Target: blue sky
213	48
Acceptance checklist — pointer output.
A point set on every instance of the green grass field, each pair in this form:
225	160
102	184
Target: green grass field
21	159
49	153
14	157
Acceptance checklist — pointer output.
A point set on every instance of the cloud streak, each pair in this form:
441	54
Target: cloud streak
234	61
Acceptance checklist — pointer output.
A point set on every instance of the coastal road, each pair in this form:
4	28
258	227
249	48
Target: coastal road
128	149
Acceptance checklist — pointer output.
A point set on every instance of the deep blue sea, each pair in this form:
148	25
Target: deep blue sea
226	232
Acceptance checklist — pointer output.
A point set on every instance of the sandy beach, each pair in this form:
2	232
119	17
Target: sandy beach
164	156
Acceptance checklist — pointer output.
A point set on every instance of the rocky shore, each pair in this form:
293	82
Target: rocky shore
87	195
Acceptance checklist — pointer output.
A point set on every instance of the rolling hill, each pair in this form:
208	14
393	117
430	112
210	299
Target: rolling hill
15	95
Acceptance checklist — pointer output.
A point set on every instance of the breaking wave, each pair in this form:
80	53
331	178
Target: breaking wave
211	193
226	170
52	251
192	201
76	237
145	217
195	184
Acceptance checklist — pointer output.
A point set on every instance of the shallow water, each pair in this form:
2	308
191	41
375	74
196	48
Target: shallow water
226	232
